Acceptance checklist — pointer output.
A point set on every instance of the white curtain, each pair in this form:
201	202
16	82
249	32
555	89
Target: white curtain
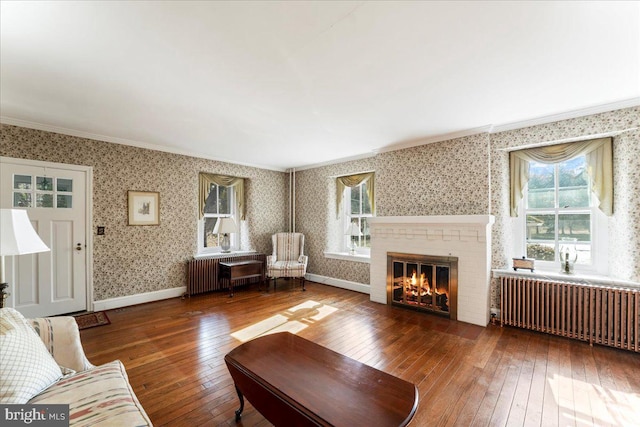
599	158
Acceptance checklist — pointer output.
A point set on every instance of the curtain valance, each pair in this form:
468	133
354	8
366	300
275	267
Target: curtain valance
205	181
352	181
599	158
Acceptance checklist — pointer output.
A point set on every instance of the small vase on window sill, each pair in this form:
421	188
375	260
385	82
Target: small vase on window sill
568	258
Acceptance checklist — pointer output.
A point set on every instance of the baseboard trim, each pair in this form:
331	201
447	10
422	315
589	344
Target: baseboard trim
339	283
111	303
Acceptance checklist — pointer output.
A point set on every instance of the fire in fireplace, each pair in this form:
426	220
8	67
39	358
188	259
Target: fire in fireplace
423	282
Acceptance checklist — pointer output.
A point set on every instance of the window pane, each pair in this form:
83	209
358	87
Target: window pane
65	185
574	226
44	200
63	201
210	238
573	183
44	183
22	182
21	200
541	193
541	227
224	201
355	200
541	251
365	239
211	204
366	205
584	254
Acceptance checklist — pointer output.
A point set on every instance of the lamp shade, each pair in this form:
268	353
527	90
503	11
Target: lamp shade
225	225
17	236
353	230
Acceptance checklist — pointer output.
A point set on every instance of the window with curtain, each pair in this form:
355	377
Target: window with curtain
561	195
355	204
220	196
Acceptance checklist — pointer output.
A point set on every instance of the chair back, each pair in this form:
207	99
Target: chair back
288	246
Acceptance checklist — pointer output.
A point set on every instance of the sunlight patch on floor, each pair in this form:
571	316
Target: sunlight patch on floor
291	320
595	404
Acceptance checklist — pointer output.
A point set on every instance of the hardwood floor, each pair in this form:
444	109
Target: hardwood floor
466	375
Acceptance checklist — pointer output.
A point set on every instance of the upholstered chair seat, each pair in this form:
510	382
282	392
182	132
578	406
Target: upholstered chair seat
288	258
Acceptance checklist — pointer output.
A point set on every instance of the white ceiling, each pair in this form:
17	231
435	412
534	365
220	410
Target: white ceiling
292	84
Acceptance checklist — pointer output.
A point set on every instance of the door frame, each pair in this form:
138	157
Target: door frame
88	171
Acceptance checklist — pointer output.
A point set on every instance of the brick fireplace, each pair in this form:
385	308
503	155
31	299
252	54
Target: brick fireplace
466	238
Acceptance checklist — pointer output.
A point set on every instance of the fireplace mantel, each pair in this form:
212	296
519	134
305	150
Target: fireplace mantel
467	237
434	219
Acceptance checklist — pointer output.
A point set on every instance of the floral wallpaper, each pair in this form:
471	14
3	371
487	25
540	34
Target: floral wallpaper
470	176
624	225
130	260
464	176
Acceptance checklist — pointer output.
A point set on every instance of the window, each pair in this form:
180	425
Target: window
561	218
219	204
355	194
219	197
562	195
358	212
42	192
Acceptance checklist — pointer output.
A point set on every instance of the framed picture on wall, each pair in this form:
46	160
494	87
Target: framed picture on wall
144	207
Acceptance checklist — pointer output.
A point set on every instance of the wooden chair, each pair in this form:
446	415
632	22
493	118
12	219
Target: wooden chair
288	259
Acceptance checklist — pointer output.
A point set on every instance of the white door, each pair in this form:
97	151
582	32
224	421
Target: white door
54	197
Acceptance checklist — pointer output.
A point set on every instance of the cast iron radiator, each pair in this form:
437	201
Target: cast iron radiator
203	273
598	314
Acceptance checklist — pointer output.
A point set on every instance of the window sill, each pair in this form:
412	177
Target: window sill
345	256
582	278
222	255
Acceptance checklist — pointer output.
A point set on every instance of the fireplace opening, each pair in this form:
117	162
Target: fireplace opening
423	282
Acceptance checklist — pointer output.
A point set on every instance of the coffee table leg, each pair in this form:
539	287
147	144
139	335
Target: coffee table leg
239	411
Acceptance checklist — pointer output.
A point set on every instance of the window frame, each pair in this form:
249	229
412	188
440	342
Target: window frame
234	238
599	236
347	219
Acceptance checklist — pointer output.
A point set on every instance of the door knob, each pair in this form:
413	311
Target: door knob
79	247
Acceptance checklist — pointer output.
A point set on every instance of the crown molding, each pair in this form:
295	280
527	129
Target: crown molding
573	114
123	141
490	129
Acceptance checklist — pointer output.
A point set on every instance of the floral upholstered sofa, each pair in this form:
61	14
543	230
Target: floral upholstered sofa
42	362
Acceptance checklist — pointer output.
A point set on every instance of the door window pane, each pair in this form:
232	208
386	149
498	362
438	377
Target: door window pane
63	201
44	200
65	185
21	200
22	182
44	183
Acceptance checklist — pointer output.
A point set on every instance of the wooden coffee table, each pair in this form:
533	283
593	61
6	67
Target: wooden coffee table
294	382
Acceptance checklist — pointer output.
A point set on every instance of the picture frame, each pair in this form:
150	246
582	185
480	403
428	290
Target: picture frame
144	207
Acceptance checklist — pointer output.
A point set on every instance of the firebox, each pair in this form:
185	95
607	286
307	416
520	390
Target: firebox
423	282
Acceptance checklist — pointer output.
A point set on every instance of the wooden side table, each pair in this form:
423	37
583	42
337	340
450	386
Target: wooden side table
237	270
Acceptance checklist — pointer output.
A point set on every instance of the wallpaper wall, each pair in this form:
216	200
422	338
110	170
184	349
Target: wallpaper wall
464	176
470	176
131	260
